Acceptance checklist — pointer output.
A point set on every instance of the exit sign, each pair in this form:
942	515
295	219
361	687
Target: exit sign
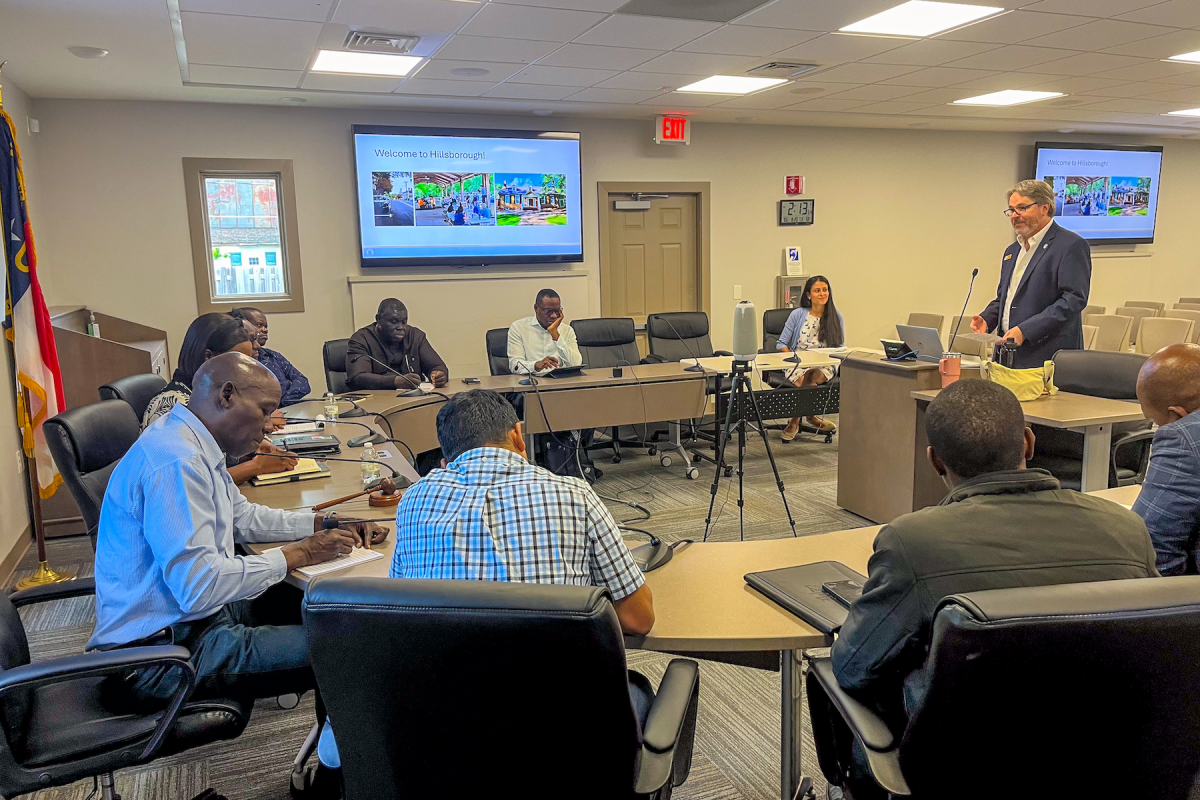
672	130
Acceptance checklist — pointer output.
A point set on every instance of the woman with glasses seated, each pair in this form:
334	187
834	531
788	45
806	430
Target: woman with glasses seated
816	323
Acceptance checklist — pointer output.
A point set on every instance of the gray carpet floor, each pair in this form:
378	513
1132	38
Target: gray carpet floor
737	738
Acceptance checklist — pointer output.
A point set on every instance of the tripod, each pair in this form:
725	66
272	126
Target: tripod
742	390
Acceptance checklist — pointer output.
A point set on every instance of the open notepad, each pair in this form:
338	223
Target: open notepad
359	555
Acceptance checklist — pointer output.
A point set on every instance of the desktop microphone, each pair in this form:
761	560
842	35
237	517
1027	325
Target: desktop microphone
745	332
970	288
357	411
694	367
416	391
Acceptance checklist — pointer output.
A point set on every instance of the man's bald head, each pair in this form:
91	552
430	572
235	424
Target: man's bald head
1168	386
234	396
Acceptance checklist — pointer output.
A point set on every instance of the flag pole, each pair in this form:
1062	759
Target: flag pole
44	574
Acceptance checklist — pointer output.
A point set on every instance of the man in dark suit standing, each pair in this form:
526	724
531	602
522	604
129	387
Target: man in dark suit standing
1045	279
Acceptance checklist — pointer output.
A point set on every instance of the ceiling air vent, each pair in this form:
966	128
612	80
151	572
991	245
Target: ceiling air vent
783	69
381	42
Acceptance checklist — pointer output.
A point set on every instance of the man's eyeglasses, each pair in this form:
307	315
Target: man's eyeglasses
1008	212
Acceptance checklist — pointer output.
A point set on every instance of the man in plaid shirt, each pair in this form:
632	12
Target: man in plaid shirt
491	515
1168	388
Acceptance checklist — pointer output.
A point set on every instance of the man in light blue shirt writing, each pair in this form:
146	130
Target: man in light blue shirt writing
166	568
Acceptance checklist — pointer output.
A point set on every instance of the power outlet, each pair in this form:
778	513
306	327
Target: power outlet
737	291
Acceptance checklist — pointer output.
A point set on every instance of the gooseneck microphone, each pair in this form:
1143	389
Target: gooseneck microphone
357	411
416	391
950	347
390	468
694	367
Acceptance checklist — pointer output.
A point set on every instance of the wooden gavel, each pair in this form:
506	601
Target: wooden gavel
386	495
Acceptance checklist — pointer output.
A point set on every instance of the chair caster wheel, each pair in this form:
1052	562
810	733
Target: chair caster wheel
287	701
829	438
616	459
692	473
665	461
653	451
696	459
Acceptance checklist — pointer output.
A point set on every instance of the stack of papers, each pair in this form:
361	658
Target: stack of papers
359	555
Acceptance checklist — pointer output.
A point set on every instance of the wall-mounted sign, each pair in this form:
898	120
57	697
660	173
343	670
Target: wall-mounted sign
672	130
793	184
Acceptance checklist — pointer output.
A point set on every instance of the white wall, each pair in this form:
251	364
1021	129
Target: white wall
13	503
901	216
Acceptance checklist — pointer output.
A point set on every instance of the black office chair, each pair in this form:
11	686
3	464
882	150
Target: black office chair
496	341
334	356
86	443
773	321
1097	373
137	390
1081	690
488	688
679	336
58	722
606	342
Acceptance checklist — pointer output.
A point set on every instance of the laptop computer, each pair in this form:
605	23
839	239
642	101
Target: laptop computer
926	342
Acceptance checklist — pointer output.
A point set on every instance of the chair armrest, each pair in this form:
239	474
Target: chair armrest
653	358
80	587
109	662
872	731
1133	437
723	353
669	733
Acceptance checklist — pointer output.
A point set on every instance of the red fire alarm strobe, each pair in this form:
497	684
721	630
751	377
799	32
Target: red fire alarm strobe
672	130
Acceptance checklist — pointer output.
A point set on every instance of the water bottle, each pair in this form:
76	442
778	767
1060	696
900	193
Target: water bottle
331	407
369	468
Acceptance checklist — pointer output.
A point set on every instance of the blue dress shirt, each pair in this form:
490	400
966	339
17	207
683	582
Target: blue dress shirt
292	382
1170	498
168	524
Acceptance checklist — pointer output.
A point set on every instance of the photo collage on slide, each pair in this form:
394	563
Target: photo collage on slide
1118	196
469	199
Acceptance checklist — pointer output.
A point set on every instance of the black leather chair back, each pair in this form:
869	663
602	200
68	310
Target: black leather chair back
1086	686
137	390
607	341
773	321
86	443
1098	373
334	356
473	688
497	350
679	335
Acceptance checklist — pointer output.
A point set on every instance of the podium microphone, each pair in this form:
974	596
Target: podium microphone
950	347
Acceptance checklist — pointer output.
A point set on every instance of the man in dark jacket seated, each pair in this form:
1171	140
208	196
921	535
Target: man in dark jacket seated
1000	526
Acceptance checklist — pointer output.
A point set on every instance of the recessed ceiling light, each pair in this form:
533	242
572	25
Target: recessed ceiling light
731	84
87	52
1193	58
921	18
294	101
1008	97
542	112
349	63
808	90
1189	112
470	72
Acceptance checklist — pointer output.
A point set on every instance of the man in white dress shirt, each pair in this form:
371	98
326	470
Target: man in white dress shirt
544	341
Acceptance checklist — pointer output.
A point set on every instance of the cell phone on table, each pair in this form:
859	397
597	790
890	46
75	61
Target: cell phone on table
470	380
844	592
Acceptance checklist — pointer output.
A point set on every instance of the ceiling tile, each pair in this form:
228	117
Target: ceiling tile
1180	94
593	56
248	41
931	52
598	95
678	100
648	81
1012	56
350	83
1088	64
1172	44
877	92
1100	34
527	22
1015	28
449	88
1005	80
245	76
562	76
530	91
937	97
891	107
743	40
807	90
1077	84
606	6
763	101
827	104
628	30
697	64
1154	70
443	69
935	77
485	48
1094	8
1176	13
404	16
1191	78
863	73
1131	89
307	10
1130	104
836	48
814	15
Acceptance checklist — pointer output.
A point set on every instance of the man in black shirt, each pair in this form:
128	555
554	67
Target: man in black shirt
392	341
